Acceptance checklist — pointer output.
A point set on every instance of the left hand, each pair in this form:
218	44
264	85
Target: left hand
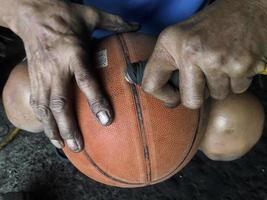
220	48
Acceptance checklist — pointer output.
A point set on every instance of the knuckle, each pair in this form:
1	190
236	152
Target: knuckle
148	87
42	112
214	59
33	101
66	133
97	105
219	58
238	70
240	66
83	80
57	104
193	45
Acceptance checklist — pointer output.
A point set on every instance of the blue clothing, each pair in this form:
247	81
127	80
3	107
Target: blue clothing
153	15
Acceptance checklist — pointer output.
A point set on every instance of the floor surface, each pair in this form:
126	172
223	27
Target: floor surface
30	164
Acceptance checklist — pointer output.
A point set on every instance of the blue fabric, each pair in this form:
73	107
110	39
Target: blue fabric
153	15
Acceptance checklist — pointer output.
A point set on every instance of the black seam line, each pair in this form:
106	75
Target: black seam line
139	113
101	171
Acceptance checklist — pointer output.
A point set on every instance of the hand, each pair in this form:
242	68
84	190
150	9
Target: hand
55	34
220	48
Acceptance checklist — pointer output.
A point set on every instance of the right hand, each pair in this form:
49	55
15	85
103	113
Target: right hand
217	52
54	34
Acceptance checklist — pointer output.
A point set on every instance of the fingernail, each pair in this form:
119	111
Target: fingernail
79	140
72	144
57	143
104	118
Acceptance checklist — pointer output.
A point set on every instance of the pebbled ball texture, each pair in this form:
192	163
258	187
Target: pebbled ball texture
147	142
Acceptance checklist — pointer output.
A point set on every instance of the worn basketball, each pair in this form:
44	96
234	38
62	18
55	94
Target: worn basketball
147	142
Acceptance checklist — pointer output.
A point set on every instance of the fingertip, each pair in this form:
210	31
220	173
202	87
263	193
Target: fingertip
171	105
74	145
103	111
239	86
220	94
128	27
173	100
104	117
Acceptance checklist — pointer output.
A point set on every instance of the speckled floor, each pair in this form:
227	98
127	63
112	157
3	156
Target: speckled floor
30	164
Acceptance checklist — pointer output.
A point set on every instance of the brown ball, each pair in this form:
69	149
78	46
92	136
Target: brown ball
147	142
16	98
234	127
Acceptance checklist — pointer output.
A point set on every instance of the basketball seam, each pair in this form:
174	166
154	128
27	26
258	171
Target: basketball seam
152	182
138	112
101	171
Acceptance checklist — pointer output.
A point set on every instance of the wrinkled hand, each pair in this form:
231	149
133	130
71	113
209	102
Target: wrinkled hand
54	35
221	49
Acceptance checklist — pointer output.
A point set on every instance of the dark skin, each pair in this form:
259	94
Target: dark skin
220	49
53	34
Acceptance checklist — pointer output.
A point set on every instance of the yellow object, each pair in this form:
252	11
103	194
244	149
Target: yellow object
9	138
264	72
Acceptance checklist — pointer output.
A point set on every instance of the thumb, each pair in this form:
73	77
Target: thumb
105	21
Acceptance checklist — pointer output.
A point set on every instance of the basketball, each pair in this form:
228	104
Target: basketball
147	143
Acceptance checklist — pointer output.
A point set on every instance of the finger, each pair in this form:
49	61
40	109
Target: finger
240	85
61	106
39	103
88	85
106	21
158	72
218	84
44	115
192	86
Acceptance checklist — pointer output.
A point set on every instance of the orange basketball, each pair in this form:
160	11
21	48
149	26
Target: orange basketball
147	142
